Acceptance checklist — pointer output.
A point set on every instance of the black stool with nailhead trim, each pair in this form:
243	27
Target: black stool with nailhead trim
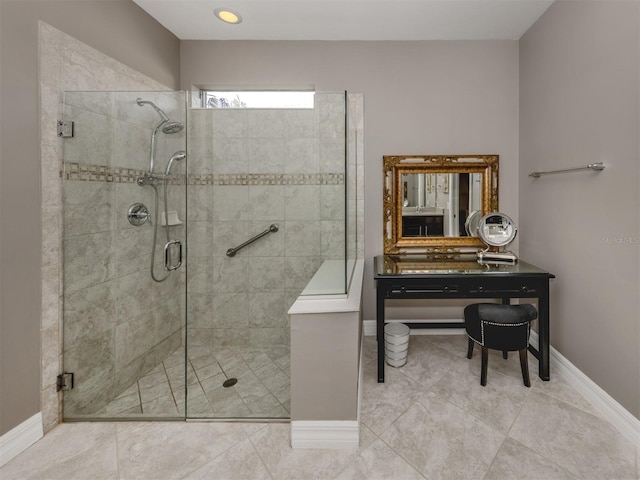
500	327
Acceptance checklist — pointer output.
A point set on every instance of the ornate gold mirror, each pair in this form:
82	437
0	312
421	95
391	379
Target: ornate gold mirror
432	202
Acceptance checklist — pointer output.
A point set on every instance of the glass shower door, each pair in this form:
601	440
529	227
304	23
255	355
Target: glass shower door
123	234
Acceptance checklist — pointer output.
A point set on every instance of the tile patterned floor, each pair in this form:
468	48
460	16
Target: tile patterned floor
431	420
262	390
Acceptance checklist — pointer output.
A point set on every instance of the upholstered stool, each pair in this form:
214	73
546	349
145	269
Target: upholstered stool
500	327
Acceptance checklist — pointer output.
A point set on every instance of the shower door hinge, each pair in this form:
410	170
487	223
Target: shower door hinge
64	382
65	129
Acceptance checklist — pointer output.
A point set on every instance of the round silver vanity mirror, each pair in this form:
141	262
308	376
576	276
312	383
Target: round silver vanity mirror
497	230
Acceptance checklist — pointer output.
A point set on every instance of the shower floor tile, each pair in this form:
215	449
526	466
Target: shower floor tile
262	388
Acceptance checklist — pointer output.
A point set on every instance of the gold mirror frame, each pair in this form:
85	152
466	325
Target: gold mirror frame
394	166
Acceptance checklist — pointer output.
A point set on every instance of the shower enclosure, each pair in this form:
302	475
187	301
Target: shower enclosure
170	311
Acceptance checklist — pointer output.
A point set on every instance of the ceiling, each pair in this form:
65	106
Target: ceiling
349	19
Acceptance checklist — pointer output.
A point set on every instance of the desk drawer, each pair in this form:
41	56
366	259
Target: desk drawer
399	291
499	288
465	288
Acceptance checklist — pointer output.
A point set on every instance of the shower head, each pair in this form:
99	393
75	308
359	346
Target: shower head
172	127
177	157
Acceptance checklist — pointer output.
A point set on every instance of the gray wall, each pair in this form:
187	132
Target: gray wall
579	103
156	54
420	98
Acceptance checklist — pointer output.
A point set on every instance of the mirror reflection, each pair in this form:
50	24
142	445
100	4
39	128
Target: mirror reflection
439	204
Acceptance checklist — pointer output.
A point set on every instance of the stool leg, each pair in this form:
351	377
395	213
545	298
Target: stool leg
470	348
525	367
485	359
505	354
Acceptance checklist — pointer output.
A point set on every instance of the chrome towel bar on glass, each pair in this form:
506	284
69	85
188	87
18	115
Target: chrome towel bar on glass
273	228
592	166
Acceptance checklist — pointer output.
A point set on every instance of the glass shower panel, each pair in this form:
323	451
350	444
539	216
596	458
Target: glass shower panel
336	232
251	169
124	330
354	173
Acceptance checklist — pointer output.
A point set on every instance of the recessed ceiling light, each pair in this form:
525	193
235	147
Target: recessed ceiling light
227	16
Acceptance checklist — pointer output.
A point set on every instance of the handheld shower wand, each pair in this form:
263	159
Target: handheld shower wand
152	181
177	157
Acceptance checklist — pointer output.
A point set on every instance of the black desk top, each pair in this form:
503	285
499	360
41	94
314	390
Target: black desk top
417	265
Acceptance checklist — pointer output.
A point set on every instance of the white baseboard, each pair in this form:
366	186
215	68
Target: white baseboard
612	411
324	434
18	439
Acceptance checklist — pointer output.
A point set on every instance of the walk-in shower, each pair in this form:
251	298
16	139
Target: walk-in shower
211	340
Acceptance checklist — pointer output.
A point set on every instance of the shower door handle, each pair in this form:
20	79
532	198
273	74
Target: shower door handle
167	256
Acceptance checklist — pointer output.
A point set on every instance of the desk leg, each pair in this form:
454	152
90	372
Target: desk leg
543	334
380	332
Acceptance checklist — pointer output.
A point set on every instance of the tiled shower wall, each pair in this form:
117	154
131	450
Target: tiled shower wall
253	168
64	64
119	324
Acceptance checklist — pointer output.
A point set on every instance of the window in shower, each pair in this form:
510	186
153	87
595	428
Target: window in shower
257	98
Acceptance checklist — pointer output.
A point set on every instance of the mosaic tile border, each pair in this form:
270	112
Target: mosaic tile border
88	173
267	179
85	172
73	171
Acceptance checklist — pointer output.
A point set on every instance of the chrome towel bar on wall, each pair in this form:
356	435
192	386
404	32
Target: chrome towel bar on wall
598	167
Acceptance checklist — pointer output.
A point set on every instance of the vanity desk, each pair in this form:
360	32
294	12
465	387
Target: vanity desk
415	276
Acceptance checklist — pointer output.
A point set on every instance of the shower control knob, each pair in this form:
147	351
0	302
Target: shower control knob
138	214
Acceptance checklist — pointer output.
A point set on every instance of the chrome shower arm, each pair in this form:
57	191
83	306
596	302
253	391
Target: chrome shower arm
163	115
